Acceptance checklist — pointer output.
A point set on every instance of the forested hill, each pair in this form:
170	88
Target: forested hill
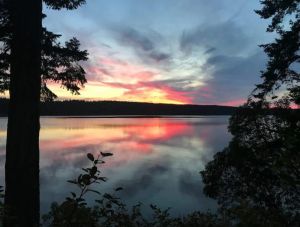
83	108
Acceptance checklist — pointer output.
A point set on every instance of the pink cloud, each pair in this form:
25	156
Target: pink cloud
158	92
236	102
139	81
112	69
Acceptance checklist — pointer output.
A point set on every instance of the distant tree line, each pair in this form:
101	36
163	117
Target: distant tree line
84	108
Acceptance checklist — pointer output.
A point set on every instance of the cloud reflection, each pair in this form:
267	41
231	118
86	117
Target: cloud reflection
155	160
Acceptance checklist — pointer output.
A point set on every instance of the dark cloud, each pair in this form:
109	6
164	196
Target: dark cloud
242	69
233	64
145	177
157	56
132	37
233	77
191	185
209	50
145	44
183	85
226	37
106	45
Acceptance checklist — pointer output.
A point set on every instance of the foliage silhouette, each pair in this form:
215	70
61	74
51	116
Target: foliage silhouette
59	63
256	178
282	72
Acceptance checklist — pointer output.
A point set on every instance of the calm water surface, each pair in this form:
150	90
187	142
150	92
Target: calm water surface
156	160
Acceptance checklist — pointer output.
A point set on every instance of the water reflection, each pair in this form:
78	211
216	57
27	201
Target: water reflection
156	160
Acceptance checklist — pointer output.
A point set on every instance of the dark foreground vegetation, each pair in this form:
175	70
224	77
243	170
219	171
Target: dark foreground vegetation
98	108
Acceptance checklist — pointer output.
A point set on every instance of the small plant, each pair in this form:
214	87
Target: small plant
74	210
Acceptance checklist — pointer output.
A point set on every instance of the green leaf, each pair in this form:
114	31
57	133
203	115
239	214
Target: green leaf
85	170
108	196
91	190
90	157
80	199
118	189
102	178
93	170
86	179
106	154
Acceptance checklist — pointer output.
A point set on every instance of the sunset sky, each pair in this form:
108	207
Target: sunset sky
167	51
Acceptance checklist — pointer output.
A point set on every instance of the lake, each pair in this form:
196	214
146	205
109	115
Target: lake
156	160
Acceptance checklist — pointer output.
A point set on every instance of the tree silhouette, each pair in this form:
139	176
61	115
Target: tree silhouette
59	63
30	57
282	71
256	179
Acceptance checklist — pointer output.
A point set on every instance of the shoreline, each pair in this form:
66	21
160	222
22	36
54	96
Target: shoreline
131	116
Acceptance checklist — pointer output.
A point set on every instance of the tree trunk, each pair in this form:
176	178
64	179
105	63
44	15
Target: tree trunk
22	148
